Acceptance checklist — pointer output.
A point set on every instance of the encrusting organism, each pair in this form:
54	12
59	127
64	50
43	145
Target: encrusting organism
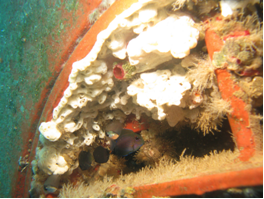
97	12
94	16
149	153
52	184
201	73
243	46
123	71
215	109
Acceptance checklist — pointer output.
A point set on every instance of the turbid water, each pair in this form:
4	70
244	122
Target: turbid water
24	28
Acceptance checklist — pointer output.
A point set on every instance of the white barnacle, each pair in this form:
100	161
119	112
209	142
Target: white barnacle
96	127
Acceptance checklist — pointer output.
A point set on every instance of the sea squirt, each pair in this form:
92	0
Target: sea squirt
85	160
101	155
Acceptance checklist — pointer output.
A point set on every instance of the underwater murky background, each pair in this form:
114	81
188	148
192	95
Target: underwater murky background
25	26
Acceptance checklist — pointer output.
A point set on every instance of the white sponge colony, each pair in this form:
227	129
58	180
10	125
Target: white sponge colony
51	162
50	131
144	36
173	36
153	90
